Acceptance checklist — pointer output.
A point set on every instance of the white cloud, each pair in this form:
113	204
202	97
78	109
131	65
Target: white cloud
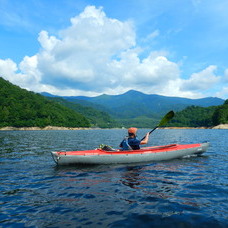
10	71
97	54
151	36
173	88
226	75
46	42
224	90
25	75
203	80
223	93
8	67
83	51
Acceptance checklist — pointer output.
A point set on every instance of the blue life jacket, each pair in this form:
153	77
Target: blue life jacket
125	145
134	143
130	143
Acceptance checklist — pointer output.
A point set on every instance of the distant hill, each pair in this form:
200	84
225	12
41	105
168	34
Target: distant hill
195	116
220	116
133	103
139	109
96	117
21	108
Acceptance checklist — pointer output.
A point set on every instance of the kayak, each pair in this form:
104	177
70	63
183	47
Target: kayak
146	154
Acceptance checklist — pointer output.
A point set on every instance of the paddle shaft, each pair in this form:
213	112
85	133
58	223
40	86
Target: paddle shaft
149	133
164	120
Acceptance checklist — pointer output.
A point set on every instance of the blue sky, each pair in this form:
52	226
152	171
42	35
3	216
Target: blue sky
91	47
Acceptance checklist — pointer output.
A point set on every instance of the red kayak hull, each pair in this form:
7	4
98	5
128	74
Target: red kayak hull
156	153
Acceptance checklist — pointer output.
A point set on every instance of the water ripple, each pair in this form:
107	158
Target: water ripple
189	192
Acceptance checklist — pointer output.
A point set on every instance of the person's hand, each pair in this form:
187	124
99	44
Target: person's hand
145	140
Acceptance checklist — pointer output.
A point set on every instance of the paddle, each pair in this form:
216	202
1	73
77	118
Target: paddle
164	121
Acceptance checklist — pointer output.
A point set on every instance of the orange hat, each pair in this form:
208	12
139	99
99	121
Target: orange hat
132	130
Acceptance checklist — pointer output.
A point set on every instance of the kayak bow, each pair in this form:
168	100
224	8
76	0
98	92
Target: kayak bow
146	154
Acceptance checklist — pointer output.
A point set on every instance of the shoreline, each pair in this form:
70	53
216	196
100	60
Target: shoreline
47	128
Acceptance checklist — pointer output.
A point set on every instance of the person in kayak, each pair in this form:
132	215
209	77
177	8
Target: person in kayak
131	142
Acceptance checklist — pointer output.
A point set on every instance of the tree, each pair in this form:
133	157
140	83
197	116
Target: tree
21	108
220	115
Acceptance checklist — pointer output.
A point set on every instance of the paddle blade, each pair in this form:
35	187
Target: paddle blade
166	118
164	121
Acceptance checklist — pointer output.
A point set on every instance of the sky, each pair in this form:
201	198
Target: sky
92	47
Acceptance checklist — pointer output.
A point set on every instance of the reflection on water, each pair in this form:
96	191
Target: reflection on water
34	192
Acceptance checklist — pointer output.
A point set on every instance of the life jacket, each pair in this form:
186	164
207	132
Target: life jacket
125	145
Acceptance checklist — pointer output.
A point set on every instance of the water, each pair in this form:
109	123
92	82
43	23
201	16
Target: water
34	192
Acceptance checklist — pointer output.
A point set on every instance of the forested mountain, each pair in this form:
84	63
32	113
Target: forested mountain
220	115
195	116
96	117
133	104
21	108
134	108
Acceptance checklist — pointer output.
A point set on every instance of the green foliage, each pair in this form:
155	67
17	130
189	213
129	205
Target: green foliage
145	111
97	118
220	115
193	116
166	118
133	104
21	108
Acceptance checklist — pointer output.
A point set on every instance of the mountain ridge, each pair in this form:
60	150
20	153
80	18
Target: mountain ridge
132	103
22	108
134	108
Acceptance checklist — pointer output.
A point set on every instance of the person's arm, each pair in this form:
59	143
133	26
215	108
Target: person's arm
145	140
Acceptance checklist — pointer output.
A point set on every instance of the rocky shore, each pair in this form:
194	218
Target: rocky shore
39	129
221	126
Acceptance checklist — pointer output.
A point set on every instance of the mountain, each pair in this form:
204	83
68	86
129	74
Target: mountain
220	115
96	117
133	104
137	109
21	108
195	116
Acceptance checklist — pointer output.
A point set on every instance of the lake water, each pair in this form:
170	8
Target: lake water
34	192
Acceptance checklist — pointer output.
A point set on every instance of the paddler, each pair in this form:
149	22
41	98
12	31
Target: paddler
131	142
